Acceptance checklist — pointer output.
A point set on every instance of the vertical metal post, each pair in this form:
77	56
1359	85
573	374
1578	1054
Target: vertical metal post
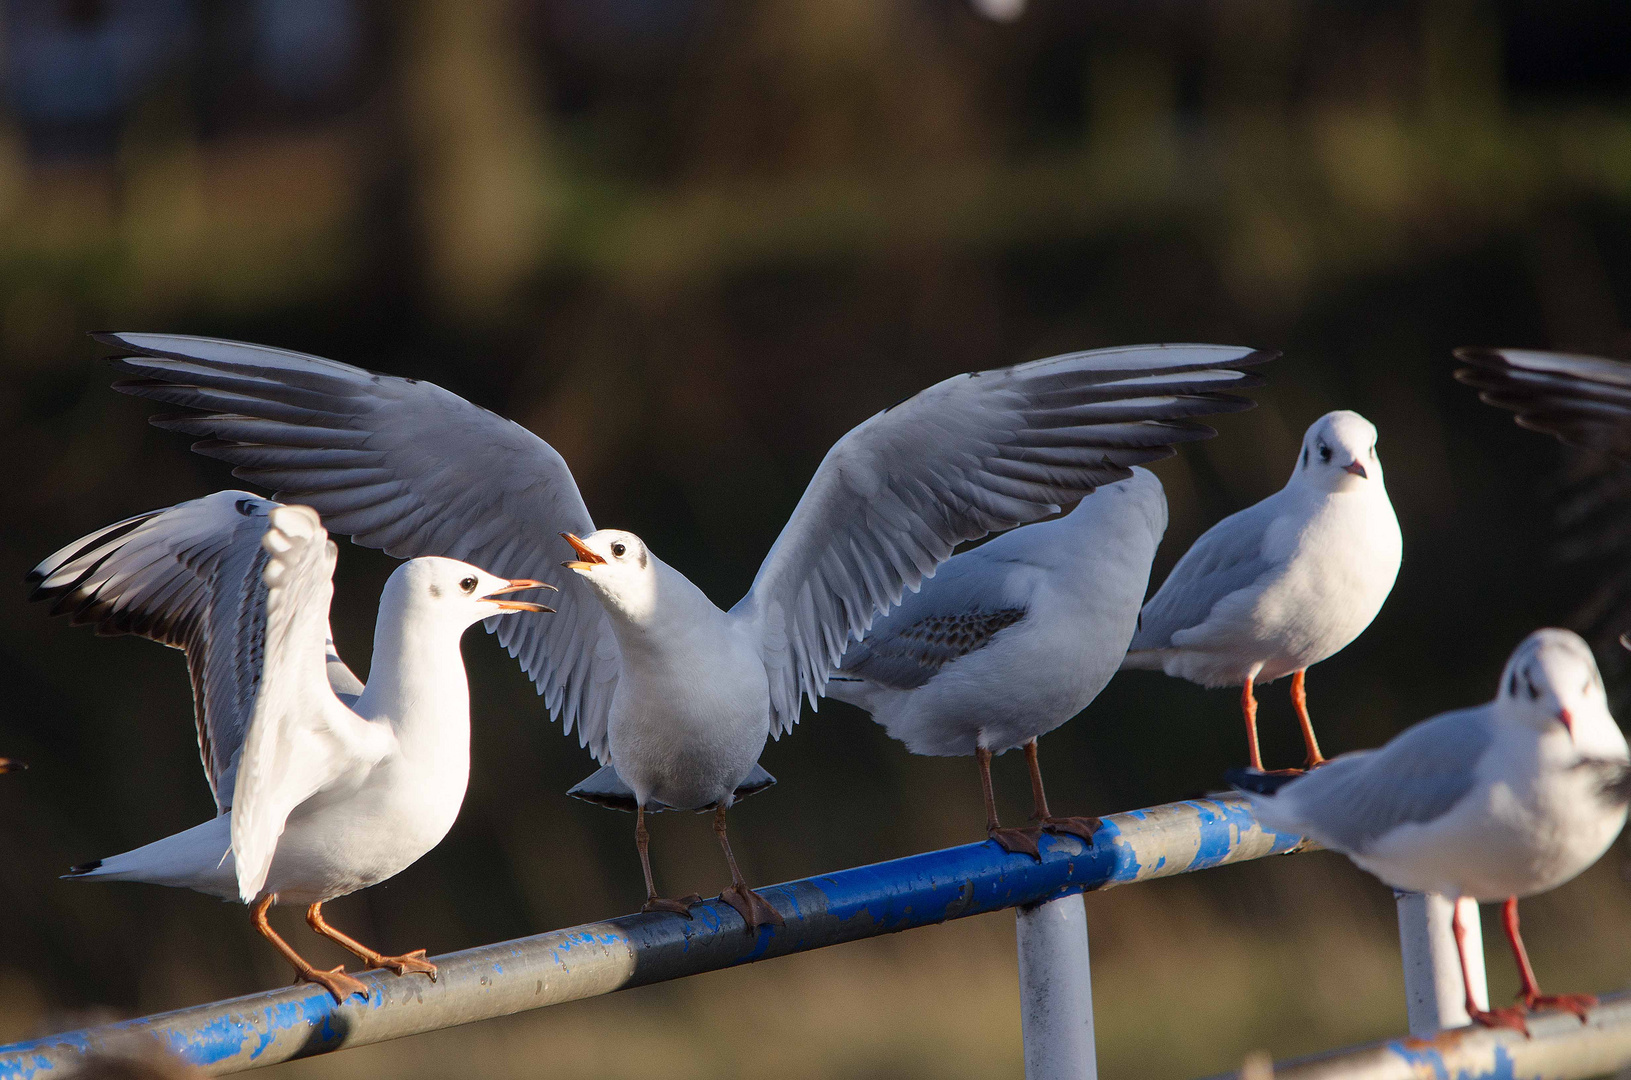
1056	990
1434	997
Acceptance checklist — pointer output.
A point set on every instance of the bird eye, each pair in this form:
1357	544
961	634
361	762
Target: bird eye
619	550
1325	452
468	584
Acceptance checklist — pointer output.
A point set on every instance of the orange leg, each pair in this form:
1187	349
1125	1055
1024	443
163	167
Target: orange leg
1299	701
1529	994
1248	709
1083	827
754	909
1014	841
336	982
1511	1017
402	965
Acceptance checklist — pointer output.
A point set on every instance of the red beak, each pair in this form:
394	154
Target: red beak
586	558
516	585
1355	468
1566	718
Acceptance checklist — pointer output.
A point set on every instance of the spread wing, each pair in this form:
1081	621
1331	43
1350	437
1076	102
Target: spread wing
1356	799
1585	402
405	466
300	738
1228	557
188	576
976	453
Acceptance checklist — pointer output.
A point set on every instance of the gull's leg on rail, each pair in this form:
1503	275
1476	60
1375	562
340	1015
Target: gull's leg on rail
1248	709
402	965
642	841
1299	701
336	982
1019	841
753	908
1510	1017
1529	994
1083	827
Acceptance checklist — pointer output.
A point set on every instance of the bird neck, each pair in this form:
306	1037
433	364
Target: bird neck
417	683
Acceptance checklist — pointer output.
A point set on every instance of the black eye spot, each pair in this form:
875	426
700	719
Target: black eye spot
619	550
468	584
1305	456
1325	453
1529	684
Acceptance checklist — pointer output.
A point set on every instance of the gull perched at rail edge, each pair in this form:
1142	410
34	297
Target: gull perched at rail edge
1011	639
1497	802
1281	585
676	695
323	786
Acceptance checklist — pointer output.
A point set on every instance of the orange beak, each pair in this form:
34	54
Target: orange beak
517	585
586	558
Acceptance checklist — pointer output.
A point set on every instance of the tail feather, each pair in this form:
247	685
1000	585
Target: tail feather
1259	783
604	787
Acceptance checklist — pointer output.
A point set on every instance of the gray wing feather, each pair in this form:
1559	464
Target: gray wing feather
1228	557
970	455
405	466
1417	777
189	576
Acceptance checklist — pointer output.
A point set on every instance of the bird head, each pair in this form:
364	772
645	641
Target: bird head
458	592
1339	453
1551	683
619	567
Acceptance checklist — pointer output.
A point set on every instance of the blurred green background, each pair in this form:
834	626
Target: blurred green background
692	242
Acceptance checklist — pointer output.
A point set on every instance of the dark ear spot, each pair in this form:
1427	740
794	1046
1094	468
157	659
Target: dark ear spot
436	592
1305	457
1512	685
642	556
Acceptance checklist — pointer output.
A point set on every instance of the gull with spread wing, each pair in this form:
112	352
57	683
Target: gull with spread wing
1283	584
1502	801
1011	639
1585	402
674	694
323	785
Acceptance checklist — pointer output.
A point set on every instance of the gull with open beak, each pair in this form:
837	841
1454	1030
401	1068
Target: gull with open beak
1502	801
1280	586
675	696
323	785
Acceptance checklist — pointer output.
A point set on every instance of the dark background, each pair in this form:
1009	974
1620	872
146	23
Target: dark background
691	243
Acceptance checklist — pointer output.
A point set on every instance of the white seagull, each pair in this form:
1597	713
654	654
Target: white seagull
676	695
1011	639
1497	802
323	786
1284	584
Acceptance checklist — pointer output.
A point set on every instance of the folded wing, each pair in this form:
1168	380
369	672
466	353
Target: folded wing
973	454
402	465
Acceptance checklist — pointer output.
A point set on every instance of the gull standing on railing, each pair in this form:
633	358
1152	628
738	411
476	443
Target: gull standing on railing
675	694
1497	802
1011	639
1280	586
318	793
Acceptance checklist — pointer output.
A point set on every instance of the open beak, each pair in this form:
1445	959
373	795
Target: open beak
8	765
1355	468
517	585
1566	718
586	559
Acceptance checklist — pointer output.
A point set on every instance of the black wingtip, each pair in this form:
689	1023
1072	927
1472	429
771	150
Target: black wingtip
1259	783
1256	356
83	868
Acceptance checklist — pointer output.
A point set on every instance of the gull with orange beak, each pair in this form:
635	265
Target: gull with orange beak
674	695
322	785
1505	800
1276	588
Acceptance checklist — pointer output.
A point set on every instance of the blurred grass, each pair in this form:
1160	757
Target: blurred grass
693	243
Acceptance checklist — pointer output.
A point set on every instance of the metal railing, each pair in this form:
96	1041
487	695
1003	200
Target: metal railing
599	958
1056	1004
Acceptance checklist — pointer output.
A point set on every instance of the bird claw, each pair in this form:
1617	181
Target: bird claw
1018	841
336	982
1579	1004
754	909
1513	1016
682	906
1083	827
409	963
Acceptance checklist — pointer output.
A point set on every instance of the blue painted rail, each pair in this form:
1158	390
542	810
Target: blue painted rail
599	958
